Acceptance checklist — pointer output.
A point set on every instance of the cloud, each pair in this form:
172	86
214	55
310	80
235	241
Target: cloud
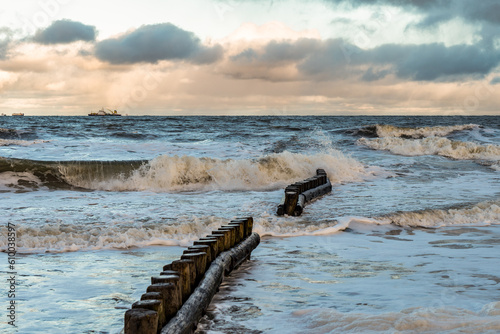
152	43
428	62
5	40
441	10
65	31
337	59
495	81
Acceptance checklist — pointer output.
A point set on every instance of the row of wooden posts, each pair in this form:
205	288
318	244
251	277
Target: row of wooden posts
178	280
298	194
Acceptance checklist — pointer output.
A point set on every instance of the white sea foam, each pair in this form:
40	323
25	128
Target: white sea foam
385	130
484	213
411	320
294	227
16	142
19	181
434	146
60	237
184	173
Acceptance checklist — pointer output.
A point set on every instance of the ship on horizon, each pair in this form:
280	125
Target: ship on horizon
102	112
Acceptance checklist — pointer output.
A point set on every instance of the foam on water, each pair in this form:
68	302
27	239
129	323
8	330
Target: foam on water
411	320
481	214
386	130
65	237
18	181
434	146
18	142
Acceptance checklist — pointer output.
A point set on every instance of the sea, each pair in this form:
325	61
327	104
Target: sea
408	241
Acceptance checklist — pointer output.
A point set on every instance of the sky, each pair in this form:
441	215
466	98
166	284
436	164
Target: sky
250	57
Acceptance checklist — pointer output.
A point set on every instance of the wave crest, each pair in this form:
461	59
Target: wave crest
187	173
484	213
434	146
386	130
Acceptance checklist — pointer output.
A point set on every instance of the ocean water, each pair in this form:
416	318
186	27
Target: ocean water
407	242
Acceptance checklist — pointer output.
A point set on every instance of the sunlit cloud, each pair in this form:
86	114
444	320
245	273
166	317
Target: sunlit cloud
376	57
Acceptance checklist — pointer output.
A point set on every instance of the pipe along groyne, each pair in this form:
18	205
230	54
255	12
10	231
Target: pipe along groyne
298	194
177	298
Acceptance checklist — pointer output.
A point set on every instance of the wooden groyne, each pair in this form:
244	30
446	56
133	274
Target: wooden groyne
177	298
298	194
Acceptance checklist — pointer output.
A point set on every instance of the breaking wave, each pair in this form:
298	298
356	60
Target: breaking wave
182	231
481	214
434	146
60	237
386	130
188	173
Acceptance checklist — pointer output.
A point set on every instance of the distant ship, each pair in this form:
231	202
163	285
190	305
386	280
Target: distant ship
18	114
102	112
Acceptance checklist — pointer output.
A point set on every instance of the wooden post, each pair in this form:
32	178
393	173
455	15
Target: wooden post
232	234
169	296
291	198
162	320
248	225
221	241
240	229
200	263
187	273
139	320
156	305
211	243
170	272
227	238
201	248
174	279
302	186
243	226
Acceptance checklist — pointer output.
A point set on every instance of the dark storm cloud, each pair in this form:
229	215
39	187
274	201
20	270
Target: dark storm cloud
65	31
428	62
335	59
437	11
152	43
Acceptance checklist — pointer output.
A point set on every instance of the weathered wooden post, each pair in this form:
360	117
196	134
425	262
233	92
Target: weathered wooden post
200	263
211	243
187	274
174	279
169	296
291	199
221	241
240	229
200	248
156	305
248	225
140	320
232	234
227	238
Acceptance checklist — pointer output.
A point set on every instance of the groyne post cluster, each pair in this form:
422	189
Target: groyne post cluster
177	297
298	194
